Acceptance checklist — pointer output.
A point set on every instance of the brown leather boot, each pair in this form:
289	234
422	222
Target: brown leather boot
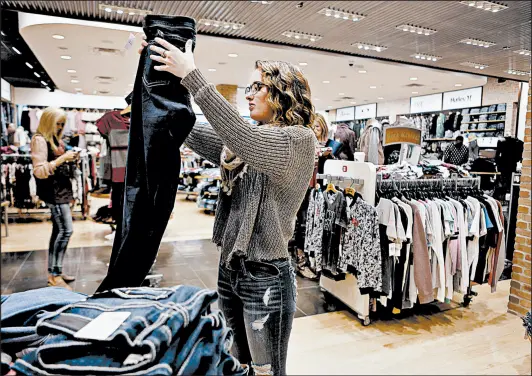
57	281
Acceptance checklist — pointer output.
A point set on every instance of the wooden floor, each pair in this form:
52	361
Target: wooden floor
480	339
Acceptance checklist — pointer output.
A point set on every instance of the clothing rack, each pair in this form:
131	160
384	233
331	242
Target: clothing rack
431	183
340	178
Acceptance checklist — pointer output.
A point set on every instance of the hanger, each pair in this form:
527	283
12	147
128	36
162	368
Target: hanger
126	110
330	186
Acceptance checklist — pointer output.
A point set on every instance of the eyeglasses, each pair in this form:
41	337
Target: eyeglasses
254	88
61	124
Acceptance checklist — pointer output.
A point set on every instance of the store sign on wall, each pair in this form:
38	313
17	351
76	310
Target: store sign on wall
462	98
345	114
426	103
402	135
366	111
6	90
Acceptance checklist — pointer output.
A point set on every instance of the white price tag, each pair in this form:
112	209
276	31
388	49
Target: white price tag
102	326
130	41
391	249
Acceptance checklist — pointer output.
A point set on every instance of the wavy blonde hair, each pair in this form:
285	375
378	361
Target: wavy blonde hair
288	93
48	123
322	133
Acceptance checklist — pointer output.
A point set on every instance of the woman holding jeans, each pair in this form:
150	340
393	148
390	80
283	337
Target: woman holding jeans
54	187
265	173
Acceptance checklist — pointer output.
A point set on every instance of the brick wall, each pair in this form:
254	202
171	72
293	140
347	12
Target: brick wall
520	293
229	92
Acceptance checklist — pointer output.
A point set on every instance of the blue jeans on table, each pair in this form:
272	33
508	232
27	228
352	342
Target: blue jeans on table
169	329
22	310
61	232
161	119
258	300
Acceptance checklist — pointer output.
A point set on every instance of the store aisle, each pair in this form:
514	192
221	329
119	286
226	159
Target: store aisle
188	222
480	339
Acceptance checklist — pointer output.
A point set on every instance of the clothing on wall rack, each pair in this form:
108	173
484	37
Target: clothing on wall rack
18	185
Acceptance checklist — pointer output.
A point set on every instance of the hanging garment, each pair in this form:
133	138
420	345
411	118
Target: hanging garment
361	248
314	227
440	129
370	143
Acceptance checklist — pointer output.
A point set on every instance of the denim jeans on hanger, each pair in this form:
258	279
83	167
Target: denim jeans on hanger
161	119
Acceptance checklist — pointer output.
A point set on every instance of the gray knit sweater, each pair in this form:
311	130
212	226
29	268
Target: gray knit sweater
257	220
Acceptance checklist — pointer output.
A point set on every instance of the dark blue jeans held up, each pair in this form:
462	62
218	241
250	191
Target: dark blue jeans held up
161	119
258	300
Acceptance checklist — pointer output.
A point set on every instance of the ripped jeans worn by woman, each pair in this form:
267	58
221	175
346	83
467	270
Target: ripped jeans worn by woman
258	300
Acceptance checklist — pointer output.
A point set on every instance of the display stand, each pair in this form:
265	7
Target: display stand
347	290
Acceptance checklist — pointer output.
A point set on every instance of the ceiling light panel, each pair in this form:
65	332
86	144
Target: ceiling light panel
369	47
517	72
416	29
426	57
341	15
108	8
477	42
221	24
301	36
485	5
262	2
474	65
523	52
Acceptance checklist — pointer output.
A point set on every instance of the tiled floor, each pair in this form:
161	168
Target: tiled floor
193	262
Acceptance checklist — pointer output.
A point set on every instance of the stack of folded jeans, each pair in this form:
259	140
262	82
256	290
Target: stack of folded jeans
164	331
21	312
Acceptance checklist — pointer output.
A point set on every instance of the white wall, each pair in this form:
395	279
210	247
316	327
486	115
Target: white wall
393	108
6	90
58	98
523	102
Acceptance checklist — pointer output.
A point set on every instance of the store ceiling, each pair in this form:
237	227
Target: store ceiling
509	29
113	72
14	68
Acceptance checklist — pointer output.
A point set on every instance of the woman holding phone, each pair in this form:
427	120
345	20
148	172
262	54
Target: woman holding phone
52	175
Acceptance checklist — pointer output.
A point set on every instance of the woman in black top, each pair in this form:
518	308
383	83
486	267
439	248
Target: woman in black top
54	187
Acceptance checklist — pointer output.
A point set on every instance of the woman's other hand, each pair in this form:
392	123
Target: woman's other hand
174	61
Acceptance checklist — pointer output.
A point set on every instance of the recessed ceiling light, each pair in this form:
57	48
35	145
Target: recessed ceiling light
212	70
426	57
108	10
48	88
414	92
329	106
362	71
78	89
16	50
353	102
373	87
326	82
37	74
58	36
457	85
232	55
416	29
3	34
341	93
369	47
71	71
75	81
119	11
131	13
303	64
44	83
66	57
380	98
29	65
413	78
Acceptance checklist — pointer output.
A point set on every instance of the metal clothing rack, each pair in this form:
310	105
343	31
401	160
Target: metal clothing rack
435	183
340	178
